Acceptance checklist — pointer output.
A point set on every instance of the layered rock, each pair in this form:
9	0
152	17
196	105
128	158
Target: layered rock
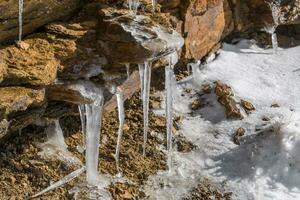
36	14
135	39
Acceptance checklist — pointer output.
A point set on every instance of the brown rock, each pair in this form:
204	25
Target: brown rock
14	99
72	92
206	23
196	104
206	88
225	98
36	14
239	133
34	66
248	106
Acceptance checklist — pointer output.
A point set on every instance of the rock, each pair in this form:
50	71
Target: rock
135	39
35	66
3	127
14	99
196	104
248	106
239	133
225	98
36	14
206	88
206	23
79	92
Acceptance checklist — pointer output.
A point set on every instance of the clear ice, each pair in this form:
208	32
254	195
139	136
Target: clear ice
153	5
121	115
93	129
61	182
170	83
21	6
128	70
82	113
133	5
145	79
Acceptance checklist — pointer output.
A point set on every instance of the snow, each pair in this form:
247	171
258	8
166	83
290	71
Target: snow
267	163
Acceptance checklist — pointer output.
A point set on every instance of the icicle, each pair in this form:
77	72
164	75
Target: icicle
274	43
55	135
82	113
170	83
153	5
142	72
145	98
21	6
133	6
128	70
93	129
121	114
61	182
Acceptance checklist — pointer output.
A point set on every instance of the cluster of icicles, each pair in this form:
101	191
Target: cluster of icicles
91	117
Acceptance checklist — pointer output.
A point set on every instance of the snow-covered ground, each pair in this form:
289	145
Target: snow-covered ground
267	164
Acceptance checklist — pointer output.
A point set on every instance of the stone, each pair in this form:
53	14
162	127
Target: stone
237	135
15	99
206	23
36	14
248	106
72	92
35	66
135	39
225	98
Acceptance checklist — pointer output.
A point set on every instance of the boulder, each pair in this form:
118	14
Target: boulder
206	23
36	14
127	38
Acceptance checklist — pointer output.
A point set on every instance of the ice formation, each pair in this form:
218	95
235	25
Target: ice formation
61	182
133	5
82	113
145	79
128	70
121	115
153	5
21	6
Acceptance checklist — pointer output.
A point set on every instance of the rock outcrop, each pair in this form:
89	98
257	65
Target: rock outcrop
36	14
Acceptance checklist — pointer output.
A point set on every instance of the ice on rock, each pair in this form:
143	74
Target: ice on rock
128	70
82	113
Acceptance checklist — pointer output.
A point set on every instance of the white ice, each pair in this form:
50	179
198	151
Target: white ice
267	164
21	7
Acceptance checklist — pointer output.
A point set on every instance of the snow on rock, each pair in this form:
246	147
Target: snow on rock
266	165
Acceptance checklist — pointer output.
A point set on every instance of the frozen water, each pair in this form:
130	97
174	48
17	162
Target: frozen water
21	6
266	164
153	5
121	115
61	182
82	113
145	78
128	70
93	129
133	5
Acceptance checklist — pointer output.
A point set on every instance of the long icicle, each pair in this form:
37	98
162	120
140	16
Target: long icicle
169	82
21	7
61	182
142	74
82	113
93	118
121	114
153	5
146	95
128	70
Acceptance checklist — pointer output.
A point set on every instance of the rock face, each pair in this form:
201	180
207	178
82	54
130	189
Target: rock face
14	99
136	39
205	24
36	14
33	66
